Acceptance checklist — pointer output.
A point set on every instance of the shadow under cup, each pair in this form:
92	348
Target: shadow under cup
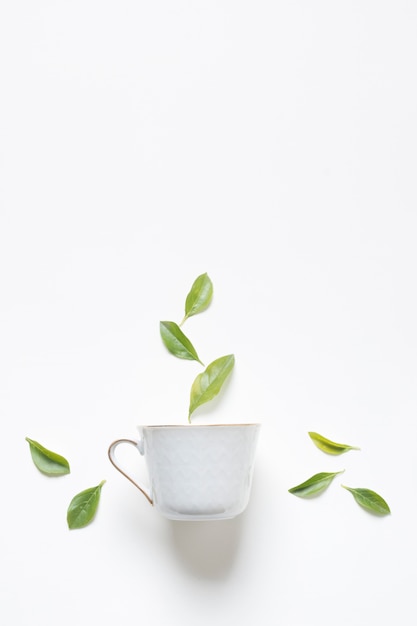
196	472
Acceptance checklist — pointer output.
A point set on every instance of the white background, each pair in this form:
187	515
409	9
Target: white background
271	144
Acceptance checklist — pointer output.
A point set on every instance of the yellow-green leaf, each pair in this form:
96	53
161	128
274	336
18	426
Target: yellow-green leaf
199	297
369	500
314	485
209	383
47	462
328	446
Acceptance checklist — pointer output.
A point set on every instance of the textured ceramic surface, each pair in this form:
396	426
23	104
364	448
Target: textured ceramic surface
196	472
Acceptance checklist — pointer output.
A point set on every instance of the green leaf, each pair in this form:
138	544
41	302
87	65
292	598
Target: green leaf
330	447
208	384
46	461
83	507
176	342
314	485
199	296
369	500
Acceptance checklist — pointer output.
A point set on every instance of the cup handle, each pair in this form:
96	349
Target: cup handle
112	458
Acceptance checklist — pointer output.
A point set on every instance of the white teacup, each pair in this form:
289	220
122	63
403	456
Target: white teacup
196	472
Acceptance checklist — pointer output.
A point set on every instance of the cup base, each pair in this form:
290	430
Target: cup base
201	516
182	517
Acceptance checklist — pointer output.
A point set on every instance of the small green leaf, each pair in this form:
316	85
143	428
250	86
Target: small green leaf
369	500
208	384
46	461
330	447
83	507
314	485
176	342
199	296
